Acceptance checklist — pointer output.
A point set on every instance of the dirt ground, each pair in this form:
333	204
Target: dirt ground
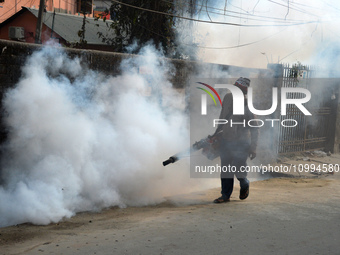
297	214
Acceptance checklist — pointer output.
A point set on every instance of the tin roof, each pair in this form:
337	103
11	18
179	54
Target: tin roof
67	26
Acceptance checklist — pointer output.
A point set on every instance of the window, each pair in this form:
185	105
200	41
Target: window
84	6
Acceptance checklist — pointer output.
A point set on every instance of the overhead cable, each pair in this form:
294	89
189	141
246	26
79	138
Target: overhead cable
214	22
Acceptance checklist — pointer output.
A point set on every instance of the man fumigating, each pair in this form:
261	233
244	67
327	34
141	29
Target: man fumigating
237	143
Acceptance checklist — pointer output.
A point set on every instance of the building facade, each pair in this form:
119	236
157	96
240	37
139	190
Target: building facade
58	27
73	7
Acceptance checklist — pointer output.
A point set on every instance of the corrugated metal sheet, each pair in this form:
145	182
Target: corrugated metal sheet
67	26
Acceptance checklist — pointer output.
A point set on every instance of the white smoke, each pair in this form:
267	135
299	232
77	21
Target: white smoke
290	31
80	140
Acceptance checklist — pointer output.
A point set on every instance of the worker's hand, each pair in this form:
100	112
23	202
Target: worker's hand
252	154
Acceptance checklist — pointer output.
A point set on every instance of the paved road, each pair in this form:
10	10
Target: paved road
281	216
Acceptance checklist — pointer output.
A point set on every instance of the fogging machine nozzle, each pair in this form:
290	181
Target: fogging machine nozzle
172	159
209	145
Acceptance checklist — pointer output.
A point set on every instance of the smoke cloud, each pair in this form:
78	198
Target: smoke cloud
289	31
80	140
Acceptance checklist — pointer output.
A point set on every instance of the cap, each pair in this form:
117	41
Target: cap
243	83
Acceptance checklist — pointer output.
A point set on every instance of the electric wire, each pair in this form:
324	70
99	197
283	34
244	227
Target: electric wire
213	22
240	13
248	18
255	6
295	9
217	48
308	6
332	6
292	53
239	45
287	9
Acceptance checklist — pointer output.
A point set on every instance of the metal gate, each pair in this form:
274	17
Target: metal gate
314	132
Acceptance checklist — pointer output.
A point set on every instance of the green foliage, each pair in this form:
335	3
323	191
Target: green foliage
133	25
81	33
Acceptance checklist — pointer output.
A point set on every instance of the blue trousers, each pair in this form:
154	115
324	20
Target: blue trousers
233	156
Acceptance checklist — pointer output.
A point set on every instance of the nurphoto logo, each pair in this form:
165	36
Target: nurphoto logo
294	96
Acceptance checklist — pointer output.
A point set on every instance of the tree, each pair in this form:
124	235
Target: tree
145	24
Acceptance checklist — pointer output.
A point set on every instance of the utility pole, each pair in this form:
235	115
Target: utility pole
39	22
53	24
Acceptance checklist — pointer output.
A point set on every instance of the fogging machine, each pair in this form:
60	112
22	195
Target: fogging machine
209	145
